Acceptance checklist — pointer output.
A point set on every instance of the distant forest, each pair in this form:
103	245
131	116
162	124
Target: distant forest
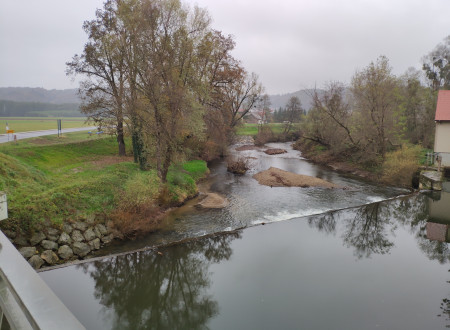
35	109
39	102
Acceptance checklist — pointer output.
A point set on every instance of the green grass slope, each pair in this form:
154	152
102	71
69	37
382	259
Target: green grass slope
48	181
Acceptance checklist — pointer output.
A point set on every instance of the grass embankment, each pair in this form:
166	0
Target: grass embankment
25	124
50	180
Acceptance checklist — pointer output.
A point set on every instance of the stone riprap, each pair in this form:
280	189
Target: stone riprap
52	246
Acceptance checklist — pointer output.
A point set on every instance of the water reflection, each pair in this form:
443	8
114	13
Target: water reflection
149	290
445	310
436	233
367	231
370	229
279	276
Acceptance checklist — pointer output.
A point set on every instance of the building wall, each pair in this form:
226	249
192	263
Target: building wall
442	141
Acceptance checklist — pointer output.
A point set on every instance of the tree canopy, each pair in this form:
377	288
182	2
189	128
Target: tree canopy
159	68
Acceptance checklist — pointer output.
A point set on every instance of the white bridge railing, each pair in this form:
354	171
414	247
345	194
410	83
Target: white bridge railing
26	302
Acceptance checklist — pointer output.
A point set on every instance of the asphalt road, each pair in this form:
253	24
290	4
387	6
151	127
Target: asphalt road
26	135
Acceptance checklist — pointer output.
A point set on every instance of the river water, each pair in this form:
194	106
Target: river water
326	259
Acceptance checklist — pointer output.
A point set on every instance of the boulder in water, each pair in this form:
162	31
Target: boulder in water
212	201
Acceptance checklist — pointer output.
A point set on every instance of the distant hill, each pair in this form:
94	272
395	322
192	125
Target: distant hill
39	102
41	95
281	100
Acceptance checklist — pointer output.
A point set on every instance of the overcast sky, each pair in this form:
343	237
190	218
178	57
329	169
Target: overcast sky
290	44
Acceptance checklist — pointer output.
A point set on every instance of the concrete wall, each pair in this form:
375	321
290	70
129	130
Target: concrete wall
442	141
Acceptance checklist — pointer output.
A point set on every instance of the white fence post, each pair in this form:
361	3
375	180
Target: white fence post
3	206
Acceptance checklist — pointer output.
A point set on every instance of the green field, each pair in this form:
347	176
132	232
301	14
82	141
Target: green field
25	124
252	129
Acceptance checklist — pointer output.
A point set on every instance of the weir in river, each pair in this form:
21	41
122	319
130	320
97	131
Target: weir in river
346	259
251	203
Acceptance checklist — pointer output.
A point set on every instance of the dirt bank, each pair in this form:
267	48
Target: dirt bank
275	177
337	164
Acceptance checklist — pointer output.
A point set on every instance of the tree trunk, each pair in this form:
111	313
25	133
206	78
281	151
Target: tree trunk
120	139
166	164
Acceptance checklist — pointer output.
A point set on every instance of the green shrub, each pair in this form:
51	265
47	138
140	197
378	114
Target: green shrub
399	166
139	190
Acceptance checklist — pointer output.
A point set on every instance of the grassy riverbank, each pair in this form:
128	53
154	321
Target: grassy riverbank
51	181
397	169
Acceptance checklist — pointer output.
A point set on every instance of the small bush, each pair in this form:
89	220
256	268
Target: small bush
131	224
400	165
264	135
239	166
211	150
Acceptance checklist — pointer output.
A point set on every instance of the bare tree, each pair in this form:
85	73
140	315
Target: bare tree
332	101
240	94
436	65
419	104
103	66
294	111
263	104
375	92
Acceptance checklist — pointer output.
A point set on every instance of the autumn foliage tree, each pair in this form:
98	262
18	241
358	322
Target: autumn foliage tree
159	67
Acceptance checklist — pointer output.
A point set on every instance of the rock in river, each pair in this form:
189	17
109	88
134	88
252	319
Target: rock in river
212	201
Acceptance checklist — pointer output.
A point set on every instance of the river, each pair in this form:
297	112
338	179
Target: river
349	258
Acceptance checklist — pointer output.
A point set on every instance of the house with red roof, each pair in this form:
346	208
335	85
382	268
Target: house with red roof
442	119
